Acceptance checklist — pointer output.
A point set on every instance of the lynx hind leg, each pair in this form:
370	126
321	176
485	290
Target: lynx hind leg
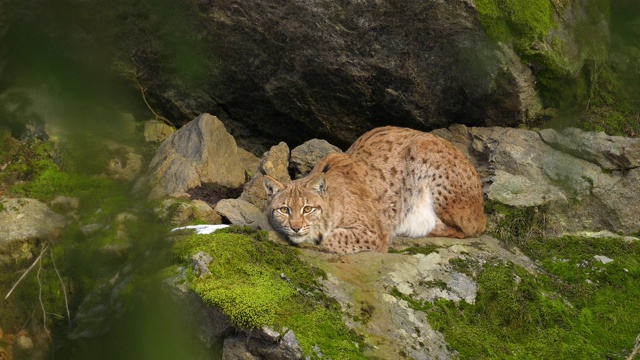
351	240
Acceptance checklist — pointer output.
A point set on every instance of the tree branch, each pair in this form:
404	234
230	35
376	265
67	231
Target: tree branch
44	247
144	98
64	289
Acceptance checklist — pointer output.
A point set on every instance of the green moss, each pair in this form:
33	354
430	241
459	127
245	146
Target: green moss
256	283
40	289
52	182
515	225
424	250
592	83
365	312
523	21
579	308
33	171
613	105
414	304
465	265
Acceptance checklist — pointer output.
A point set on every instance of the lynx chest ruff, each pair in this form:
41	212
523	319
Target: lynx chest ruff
391	181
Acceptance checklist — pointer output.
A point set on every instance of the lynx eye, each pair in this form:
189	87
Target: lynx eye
284	210
307	209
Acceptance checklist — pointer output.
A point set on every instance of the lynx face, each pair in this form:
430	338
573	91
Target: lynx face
296	210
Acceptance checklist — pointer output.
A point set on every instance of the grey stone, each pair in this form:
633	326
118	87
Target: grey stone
249	161
242	213
101	307
260	345
210	322
157	131
182	211
603	259
203	211
91	229
235	348
271	334
200	152
608	152
200	263
307	155
275	163
65	203
290	340
518	190
569	177
124	163
22	221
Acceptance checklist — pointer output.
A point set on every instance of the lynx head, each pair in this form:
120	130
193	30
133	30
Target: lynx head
296	210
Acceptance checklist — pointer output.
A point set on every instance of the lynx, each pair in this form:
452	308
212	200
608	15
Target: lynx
391	182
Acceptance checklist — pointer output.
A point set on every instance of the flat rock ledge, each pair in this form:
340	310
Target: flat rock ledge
366	286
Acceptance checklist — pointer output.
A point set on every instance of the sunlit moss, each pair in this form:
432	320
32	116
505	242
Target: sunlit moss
517	20
579	308
256	283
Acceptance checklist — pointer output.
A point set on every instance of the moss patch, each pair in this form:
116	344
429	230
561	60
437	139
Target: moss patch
515	225
412	250
256	283
524	21
35	170
580	308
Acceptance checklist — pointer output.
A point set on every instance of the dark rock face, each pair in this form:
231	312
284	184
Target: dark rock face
291	71
296	70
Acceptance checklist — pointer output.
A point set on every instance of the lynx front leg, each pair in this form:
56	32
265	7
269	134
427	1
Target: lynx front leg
355	239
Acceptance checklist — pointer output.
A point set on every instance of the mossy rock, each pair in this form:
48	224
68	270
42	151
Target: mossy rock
258	283
578	308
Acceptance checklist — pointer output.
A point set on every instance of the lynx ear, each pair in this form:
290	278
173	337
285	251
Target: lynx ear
272	186
318	184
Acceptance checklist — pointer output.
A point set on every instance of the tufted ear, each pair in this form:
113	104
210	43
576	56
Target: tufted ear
272	186
318	184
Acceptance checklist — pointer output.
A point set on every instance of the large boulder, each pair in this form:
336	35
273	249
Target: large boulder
201	152
334	69
293	71
585	181
297	70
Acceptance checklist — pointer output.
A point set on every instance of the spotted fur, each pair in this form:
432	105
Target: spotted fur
391	182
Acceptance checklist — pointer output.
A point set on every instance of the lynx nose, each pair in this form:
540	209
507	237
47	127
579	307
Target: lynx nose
295	226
